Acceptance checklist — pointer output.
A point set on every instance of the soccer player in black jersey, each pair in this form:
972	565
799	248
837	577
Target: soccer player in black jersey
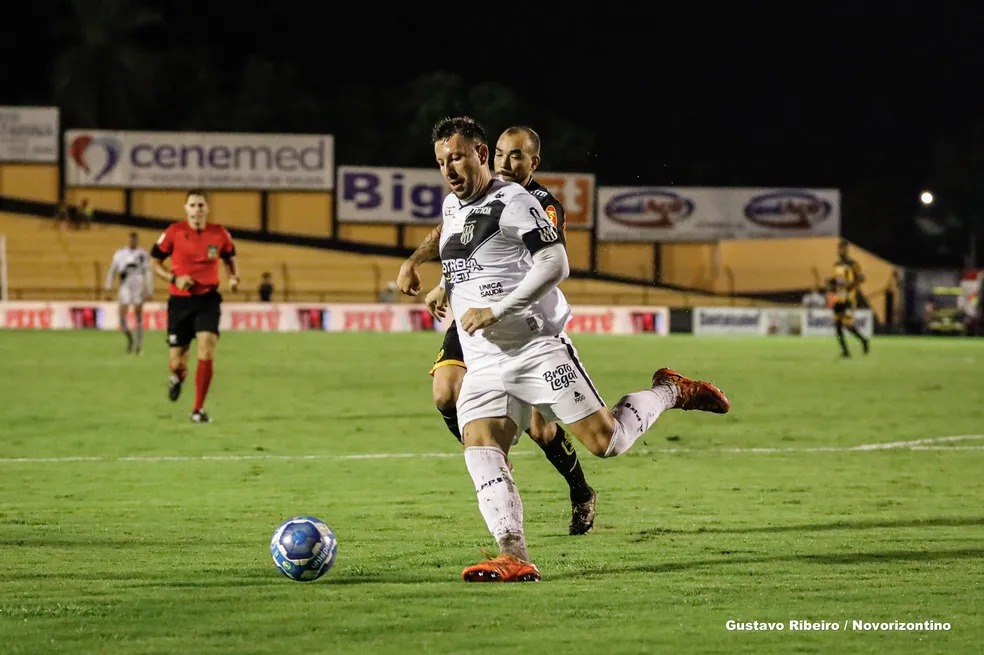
517	156
845	283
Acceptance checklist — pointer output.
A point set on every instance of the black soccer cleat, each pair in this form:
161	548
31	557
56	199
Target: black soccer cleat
200	417
174	387
583	515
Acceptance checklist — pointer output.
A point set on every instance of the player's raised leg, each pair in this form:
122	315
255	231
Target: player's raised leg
560	452
611	433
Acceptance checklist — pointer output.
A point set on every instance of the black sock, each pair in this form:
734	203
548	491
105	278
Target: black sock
840	338
450	416
560	451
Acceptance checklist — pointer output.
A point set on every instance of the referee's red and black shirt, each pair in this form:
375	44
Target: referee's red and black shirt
195	253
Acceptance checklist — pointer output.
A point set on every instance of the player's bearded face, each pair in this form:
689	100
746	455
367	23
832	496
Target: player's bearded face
464	165
196	207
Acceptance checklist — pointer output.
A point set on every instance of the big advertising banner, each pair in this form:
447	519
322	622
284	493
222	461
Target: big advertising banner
374	194
213	160
29	134
653	214
296	317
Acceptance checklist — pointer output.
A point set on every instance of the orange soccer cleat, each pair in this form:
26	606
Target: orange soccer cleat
693	394
504	568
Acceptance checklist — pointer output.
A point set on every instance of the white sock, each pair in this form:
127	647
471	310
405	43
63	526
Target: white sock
636	412
498	498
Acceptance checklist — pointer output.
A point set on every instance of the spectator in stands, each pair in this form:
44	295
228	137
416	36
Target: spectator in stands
388	294
85	214
266	287
814	299
63	218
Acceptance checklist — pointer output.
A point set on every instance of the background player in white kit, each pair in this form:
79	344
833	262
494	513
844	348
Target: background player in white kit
132	266
502	261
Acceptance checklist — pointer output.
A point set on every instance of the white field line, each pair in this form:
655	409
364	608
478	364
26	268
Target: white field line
931	443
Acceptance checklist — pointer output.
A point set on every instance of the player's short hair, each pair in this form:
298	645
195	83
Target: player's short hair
465	126
528	131
133	235
195	192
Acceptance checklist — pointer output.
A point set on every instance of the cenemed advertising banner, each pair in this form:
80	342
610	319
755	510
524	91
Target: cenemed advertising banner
213	160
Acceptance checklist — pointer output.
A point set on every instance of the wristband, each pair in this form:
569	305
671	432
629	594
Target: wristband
173	278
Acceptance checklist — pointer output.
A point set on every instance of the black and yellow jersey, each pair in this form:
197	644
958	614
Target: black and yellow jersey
847	278
551	206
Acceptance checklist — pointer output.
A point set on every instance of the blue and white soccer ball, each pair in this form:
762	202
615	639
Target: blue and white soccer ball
304	548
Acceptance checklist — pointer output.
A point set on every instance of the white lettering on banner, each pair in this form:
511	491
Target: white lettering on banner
210	160
711	214
263	321
29	134
372	194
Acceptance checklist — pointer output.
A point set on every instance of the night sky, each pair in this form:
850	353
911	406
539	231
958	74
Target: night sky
818	94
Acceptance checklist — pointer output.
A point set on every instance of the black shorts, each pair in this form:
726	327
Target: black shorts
450	354
843	311
189	315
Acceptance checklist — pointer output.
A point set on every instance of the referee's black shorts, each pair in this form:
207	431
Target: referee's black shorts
189	315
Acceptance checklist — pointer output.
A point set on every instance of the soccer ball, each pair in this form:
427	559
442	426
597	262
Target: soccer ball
303	548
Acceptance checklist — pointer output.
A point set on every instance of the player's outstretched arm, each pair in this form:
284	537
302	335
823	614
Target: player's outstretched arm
429	249
550	268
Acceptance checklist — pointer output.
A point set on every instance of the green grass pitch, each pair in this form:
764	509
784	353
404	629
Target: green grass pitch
835	491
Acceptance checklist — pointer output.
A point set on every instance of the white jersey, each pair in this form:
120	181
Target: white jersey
486	251
132	266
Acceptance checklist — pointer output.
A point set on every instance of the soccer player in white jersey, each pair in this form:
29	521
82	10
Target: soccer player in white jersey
502	261
517	157
132	266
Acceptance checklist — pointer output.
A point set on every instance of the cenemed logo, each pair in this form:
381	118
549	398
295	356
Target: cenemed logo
83	151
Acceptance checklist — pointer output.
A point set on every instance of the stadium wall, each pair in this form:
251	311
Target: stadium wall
742	267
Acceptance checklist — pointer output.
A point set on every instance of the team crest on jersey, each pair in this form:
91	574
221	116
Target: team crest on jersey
549	234
213	252
467	233
552	214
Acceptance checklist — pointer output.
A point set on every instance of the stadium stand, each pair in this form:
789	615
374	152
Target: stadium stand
48	263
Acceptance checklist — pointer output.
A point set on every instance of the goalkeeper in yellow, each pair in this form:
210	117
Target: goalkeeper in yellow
847	278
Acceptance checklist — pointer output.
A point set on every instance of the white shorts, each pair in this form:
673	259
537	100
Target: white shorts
545	374
132	295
